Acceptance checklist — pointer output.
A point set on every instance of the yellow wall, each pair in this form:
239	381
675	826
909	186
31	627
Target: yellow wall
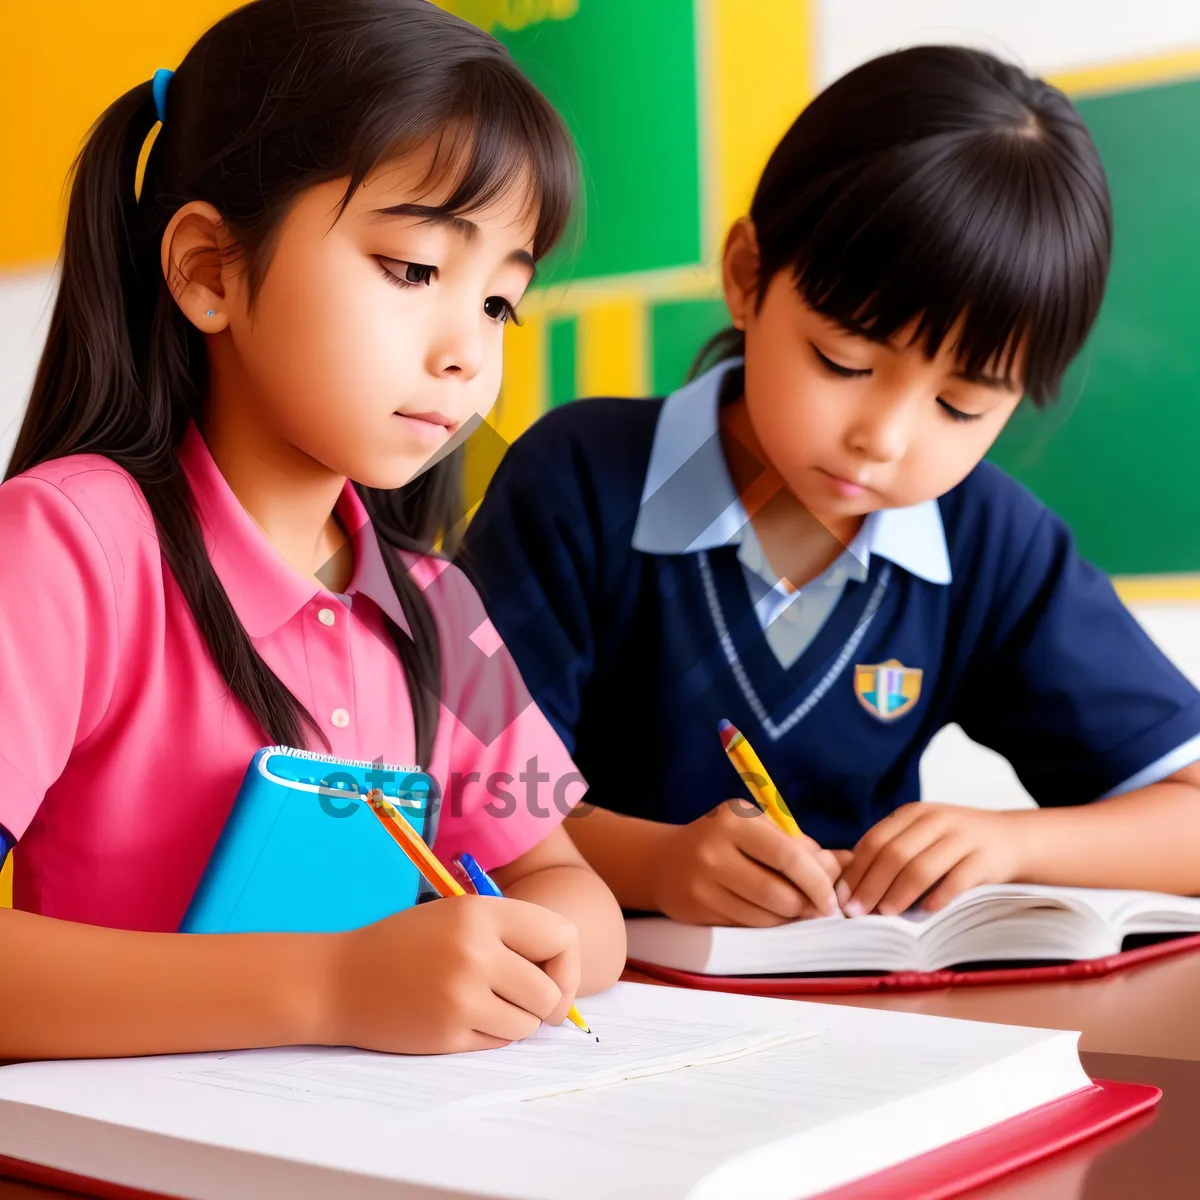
61	63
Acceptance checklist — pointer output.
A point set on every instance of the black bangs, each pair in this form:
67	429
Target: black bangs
496	136
941	193
517	142
965	239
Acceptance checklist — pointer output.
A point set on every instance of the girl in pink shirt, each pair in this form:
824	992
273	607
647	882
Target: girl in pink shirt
217	520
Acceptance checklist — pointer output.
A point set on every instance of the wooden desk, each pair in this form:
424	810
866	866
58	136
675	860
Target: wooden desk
1138	1026
1148	1010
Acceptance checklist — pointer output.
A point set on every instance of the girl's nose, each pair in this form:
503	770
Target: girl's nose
457	349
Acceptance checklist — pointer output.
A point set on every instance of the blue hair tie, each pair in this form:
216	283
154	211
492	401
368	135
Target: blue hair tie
161	78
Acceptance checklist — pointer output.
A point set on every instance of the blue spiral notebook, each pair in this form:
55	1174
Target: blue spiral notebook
302	852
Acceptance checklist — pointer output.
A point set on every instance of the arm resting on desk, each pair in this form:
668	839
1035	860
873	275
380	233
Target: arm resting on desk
1148	839
80	991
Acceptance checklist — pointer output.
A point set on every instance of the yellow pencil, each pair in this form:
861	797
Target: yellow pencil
430	866
747	765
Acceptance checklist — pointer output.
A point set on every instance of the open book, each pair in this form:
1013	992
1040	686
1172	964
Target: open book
686	1094
1001	923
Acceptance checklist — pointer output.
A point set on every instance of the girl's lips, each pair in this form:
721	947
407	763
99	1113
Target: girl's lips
429	427
432	418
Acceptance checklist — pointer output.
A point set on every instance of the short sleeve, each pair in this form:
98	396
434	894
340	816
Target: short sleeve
58	641
532	553
1068	687
511	780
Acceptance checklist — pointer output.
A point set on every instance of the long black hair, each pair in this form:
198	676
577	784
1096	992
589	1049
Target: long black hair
277	97
939	185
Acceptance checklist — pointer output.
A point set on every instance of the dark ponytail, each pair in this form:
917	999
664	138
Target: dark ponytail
941	186
262	107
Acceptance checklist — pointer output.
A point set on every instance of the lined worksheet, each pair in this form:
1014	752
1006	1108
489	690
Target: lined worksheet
555	1060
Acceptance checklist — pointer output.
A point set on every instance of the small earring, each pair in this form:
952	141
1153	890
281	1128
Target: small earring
212	312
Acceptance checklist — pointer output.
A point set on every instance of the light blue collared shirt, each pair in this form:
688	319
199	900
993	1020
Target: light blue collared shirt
689	503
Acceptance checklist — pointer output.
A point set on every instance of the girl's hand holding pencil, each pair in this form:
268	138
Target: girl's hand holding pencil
465	973
519	984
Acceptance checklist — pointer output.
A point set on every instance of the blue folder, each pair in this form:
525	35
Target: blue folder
302	852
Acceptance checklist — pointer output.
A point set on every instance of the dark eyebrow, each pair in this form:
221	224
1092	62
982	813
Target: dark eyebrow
467	230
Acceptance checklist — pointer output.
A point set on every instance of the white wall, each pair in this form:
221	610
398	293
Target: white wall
1044	35
25	301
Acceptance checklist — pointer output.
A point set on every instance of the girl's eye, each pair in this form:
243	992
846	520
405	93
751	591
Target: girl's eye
957	414
500	310
406	274
836	368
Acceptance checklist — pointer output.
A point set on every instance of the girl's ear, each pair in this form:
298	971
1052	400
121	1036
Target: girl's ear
199	258
740	271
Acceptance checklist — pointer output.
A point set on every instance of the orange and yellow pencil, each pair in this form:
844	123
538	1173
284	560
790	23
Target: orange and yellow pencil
430	866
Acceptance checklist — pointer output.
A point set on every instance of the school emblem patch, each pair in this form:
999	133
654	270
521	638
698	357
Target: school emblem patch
887	690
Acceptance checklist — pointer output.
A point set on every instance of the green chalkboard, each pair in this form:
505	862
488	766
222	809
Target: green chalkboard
623	74
1118	460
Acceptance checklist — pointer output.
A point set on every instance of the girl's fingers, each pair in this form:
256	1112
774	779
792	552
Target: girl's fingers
520	983
504	1021
534	932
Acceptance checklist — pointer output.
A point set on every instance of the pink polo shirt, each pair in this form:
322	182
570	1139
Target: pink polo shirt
121	749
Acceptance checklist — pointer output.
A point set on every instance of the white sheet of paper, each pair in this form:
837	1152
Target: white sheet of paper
554	1060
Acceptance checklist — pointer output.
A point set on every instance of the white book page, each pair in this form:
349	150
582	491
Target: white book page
997	921
552	1061
821	943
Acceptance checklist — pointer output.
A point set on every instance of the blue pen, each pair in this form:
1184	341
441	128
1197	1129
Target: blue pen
480	880
483	885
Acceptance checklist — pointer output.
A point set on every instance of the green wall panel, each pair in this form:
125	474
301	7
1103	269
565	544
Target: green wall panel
623	74
677	331
1118	460
562	340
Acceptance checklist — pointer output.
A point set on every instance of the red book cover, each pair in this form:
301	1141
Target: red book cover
910	981
986	1156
